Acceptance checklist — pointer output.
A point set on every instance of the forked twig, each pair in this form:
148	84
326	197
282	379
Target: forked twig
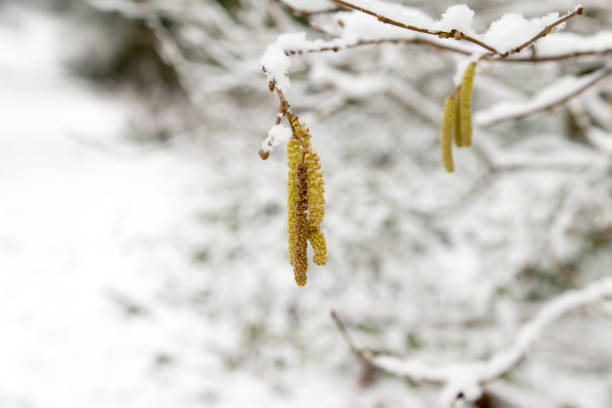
546	30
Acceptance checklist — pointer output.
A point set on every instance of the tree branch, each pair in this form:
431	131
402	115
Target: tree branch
458	35
465	380
521	110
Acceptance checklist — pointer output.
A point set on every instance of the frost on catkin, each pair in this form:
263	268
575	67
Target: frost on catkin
465	105
446	133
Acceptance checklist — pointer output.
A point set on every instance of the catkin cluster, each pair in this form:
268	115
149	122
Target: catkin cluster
457	118
305	203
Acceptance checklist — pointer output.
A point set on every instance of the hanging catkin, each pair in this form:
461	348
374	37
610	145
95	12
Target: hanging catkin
294	156
465	105
306	201
446	133
457	125
300	258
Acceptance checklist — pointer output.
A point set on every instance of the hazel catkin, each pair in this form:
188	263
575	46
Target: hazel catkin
446	133
294	154
465	105
300	258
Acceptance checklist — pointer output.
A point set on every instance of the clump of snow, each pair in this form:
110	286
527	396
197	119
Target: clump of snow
276	62
276	135
397	12
362	27
459	17
463	386
512	30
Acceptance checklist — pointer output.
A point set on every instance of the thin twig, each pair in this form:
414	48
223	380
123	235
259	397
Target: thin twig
547	30
551	58
443	47
364	355
361	43
457	34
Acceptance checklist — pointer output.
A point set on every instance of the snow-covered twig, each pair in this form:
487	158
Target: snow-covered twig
549	98
546	30
466	380
454	33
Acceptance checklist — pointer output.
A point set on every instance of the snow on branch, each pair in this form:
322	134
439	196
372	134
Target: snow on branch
465	380
548	98
509	35
506	36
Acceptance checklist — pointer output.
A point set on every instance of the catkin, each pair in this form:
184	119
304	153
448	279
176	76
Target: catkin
294	156
300	257
457	124
465	105
306	202
317	240
446	134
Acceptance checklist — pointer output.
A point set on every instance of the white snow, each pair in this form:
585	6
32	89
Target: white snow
458	17
276	62
278	134
504	34
512	30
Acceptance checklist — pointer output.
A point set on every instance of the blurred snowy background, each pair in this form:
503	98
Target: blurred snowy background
143	240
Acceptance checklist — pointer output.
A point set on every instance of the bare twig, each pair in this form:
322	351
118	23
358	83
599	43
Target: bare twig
443	47
552	58
365	355
418	41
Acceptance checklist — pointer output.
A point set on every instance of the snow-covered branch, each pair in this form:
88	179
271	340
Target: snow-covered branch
507	36
549	98
456	23
466	380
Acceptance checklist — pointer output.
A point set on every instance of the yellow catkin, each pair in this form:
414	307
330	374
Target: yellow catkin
316	199
317	240
465	104
457	125
446	134
294	156
306	203
316	190
300	257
